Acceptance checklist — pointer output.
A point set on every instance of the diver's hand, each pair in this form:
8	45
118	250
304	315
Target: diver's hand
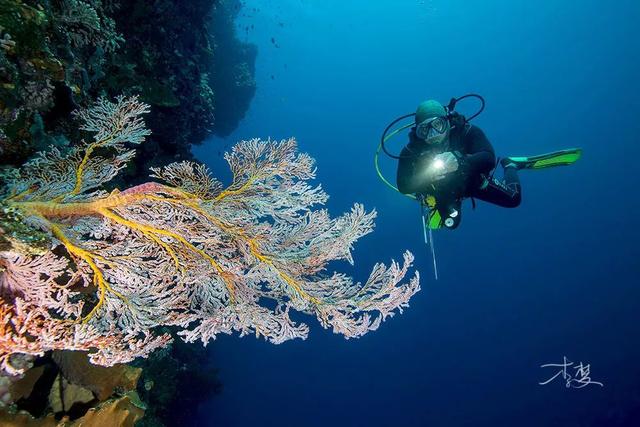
443	164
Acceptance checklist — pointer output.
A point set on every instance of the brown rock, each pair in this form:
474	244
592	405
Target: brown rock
112	413
64	395
77	369
24	419
120	412
24	386
55	396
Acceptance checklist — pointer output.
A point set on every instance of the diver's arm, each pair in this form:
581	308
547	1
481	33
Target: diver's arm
411	177
481	162
406	177
480	157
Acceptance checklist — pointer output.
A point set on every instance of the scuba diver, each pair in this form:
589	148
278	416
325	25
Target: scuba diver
448	160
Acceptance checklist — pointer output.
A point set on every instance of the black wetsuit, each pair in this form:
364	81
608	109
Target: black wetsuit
476	160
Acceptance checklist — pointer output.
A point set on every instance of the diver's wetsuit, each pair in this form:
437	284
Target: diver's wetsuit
476	160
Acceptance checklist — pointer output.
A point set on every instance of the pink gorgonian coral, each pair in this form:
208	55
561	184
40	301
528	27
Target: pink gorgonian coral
186	251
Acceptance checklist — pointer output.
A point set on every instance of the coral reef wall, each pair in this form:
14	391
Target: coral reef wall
233	80
182	58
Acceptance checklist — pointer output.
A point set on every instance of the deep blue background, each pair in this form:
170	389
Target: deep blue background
519	288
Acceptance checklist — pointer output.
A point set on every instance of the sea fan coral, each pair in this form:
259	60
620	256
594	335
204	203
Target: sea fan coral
190	253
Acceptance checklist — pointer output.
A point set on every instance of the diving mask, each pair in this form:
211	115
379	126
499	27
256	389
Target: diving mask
432	128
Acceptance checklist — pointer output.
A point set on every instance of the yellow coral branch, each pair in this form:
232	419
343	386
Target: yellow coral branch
55	208
98	277
288	280
169	251
20	195
239	233
240	190
148	230
80	170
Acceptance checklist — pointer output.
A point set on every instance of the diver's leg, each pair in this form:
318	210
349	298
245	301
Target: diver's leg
506	193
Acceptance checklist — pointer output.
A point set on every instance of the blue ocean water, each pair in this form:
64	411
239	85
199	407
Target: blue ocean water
556	277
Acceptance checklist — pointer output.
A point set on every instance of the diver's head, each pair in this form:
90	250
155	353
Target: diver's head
432	125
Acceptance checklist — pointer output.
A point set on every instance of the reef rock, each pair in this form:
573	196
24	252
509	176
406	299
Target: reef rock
103	382
64	395
23	387
122	412
24	419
